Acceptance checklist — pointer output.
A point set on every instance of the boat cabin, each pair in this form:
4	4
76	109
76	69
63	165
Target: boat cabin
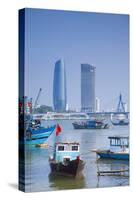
119	141
66	151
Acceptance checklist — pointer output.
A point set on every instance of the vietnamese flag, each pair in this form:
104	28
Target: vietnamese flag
58	129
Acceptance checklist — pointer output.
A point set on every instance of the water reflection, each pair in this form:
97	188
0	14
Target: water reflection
116	178
61	183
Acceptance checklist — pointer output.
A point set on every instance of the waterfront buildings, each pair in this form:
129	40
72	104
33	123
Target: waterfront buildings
97	105
87	88
125	106
59	87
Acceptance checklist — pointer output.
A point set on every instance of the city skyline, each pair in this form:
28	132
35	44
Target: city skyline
97	38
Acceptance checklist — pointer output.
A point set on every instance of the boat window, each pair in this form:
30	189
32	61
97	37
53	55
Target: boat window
60	148
118	142
125	142
75	148
115	142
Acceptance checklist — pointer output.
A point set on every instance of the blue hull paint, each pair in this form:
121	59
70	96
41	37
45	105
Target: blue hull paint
114	156
90	124
35	142
38	136
41	132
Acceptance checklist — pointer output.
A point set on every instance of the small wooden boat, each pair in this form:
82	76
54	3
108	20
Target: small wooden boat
33	133
90	124
35	136
119	148
66	160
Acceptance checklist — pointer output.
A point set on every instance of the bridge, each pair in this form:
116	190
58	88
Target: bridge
75	115
107	113
119	110
83	115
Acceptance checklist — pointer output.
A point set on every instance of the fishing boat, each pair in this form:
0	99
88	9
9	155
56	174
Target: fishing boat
119	148
120	123
38	135
119	120
90	124
66	160
31	132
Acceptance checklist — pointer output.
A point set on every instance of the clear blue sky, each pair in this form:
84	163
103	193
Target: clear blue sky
79	37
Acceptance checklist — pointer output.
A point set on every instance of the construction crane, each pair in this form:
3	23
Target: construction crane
36	101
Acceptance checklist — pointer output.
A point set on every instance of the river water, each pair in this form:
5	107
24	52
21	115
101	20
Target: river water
38	170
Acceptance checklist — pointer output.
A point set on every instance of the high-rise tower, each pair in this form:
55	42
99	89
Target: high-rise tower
87	88
59	87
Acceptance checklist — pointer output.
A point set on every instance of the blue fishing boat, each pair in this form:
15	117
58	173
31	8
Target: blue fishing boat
119	148
38	135
90	124
66	160
30	131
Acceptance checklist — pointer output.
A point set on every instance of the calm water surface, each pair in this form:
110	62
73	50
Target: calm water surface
38	171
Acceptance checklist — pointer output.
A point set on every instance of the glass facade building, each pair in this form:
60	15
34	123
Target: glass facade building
59	87
87	88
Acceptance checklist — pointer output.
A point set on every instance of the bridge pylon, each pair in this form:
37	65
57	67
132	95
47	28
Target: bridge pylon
120	106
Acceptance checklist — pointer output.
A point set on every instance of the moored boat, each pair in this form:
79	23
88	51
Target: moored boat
90	124
119	120
66	160
119	149
33	133
38	135
120	123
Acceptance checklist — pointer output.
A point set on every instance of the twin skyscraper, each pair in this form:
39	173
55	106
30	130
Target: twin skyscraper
87	87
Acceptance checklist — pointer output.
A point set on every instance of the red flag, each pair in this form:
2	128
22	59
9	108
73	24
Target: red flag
58	130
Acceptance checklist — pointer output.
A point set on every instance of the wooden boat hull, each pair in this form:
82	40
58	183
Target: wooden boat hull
112	155
79	126
38	136
120	124
72	168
